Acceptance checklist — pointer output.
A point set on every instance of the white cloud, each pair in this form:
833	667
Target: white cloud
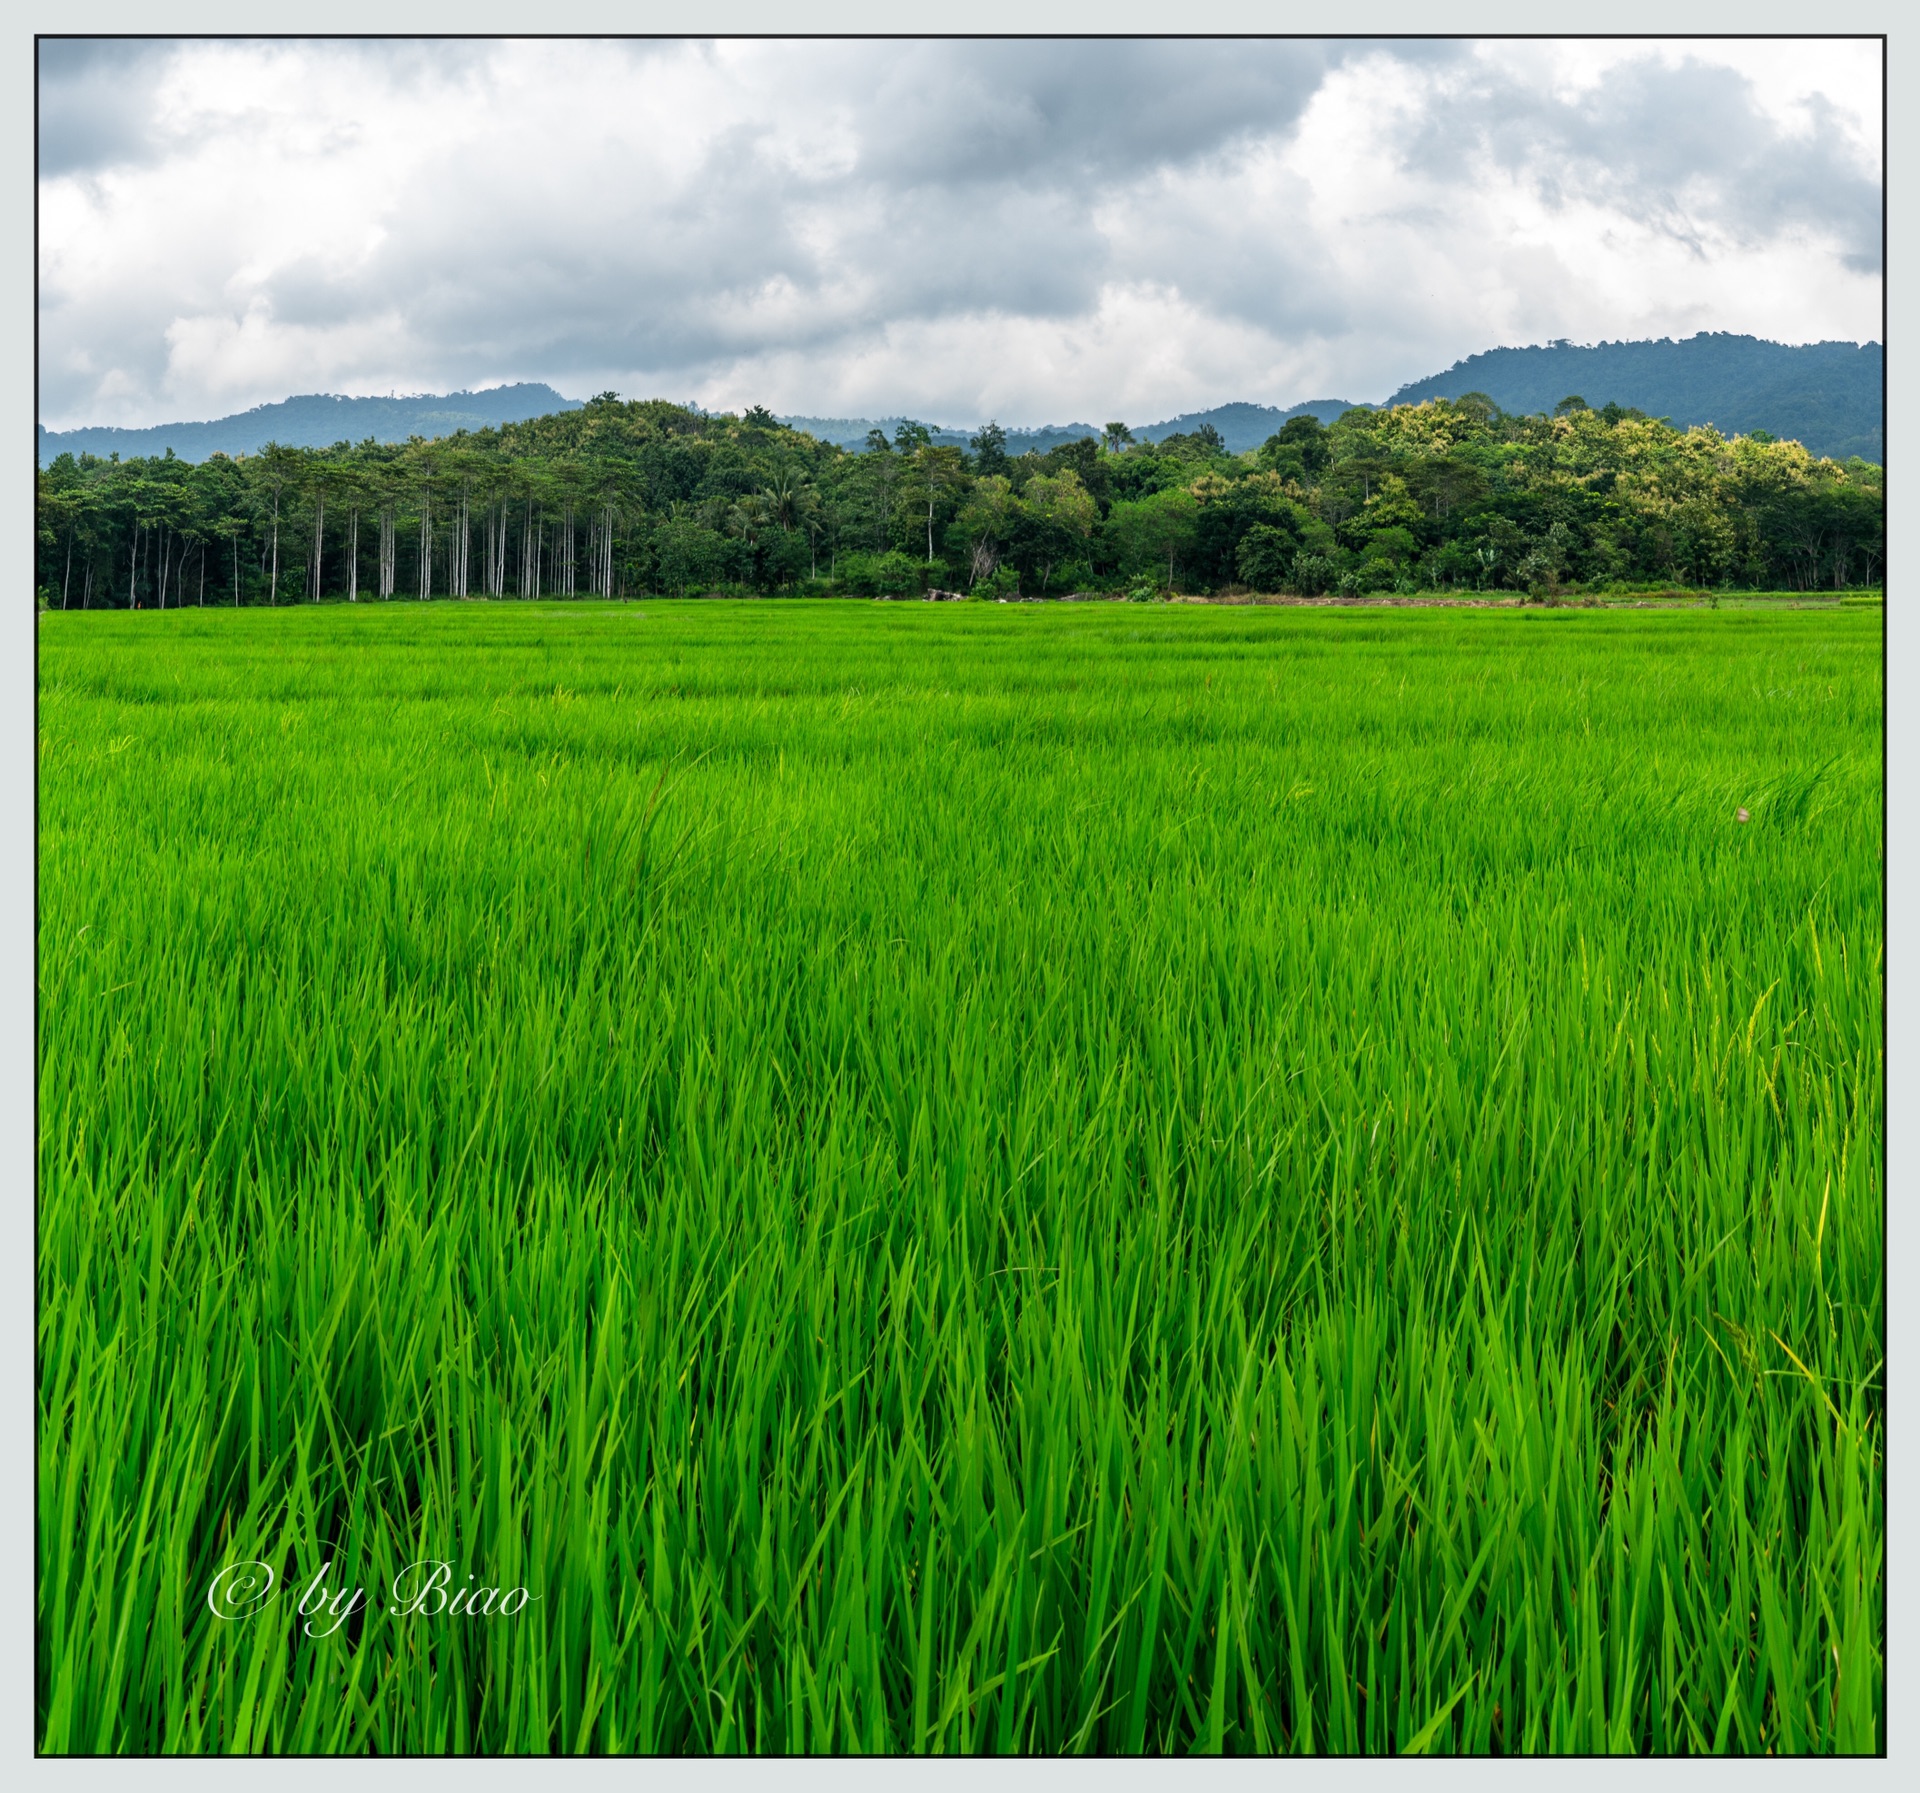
956	230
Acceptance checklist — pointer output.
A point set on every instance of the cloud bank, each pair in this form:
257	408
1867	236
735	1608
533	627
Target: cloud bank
1021	229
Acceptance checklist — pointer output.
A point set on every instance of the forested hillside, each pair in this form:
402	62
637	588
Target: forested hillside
626	498
313	421
1825	394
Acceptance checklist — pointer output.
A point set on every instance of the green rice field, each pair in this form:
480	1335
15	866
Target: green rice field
960	1178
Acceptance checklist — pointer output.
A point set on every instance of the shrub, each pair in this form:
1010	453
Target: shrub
687	556
889	575
1392	544
1265	557
1313	574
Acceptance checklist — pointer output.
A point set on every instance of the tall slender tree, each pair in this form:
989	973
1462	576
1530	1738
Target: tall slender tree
424	472
320	476
277	466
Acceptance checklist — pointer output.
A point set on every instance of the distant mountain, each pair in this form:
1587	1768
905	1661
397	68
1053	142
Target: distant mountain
317	420
1042	437
851	432
1243	426
1826	395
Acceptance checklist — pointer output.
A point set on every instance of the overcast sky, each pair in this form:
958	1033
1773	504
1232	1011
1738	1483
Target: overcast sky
1034	231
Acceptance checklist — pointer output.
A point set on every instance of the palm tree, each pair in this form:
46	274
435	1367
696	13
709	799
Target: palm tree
782	494
792	501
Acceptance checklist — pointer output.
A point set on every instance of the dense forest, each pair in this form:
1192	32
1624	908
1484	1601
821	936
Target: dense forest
618	499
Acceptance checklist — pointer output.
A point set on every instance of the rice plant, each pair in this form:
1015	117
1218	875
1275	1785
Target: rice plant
961	1179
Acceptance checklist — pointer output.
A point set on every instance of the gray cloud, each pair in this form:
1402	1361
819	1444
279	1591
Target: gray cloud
1025	226
1684	148
96	103
1077	113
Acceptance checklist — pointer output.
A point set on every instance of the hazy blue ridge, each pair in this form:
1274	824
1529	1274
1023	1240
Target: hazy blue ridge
317	420
851	432
1045	436
1241	426
1244	426
1826	395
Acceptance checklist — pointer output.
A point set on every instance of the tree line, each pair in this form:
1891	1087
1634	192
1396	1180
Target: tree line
621	499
